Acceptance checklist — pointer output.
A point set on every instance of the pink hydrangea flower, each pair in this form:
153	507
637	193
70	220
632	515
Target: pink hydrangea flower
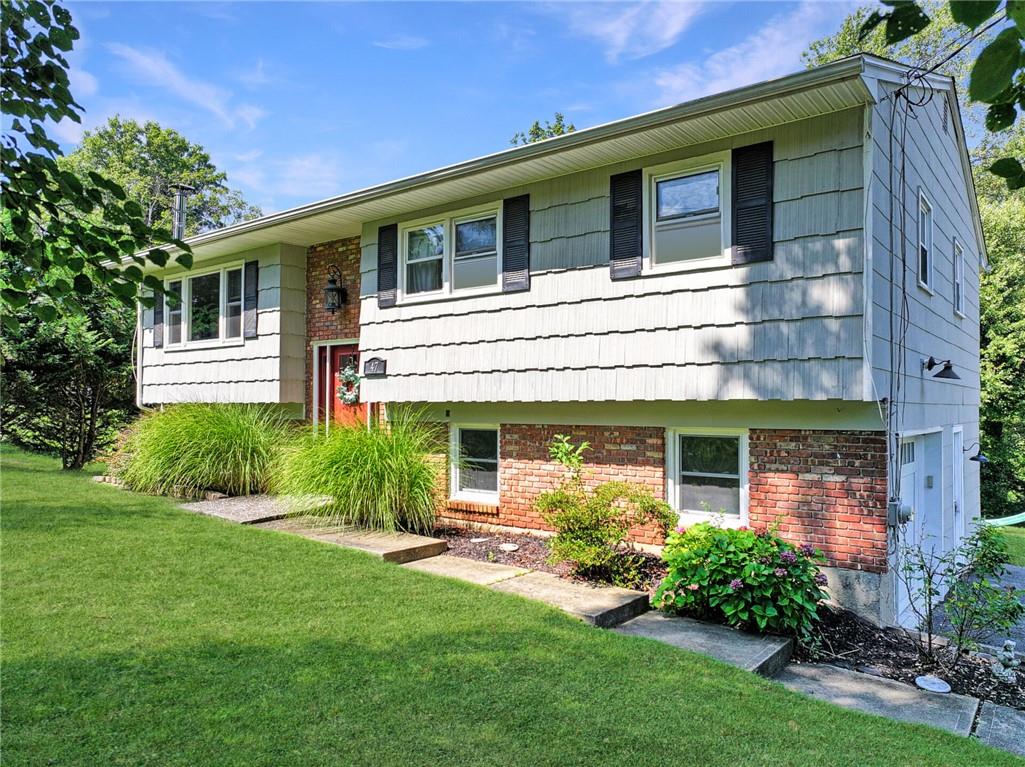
681	529
693	587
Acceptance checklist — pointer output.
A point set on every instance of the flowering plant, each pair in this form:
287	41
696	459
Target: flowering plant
746	578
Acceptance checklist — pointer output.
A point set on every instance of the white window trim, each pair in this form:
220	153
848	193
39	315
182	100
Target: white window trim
673	472
927	283
471	496
449	221
720	161
186	309
959	280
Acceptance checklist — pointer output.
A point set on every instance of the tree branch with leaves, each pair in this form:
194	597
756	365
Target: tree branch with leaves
65	237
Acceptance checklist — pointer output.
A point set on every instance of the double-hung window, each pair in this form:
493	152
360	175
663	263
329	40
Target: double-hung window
925	253
205	308
460	253
687	213
474	460
708	473
958	279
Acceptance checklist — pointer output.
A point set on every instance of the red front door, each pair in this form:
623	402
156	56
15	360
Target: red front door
332	388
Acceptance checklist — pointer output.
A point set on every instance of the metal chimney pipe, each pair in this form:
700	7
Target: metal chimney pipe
181	193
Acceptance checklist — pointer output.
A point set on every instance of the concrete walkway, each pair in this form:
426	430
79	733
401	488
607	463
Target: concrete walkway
883	697
609	607
760	653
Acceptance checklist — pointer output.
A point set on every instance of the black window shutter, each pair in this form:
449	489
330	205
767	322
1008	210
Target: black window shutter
387	264
251	299
752	203
625	195
516	244
158	320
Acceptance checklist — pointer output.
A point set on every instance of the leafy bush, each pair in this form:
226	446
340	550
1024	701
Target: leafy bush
967	580
381	477
591	525
742	577
189	448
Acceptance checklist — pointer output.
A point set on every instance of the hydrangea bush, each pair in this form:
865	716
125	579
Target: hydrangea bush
751	579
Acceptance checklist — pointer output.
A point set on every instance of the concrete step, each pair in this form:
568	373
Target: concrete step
883	697
399	548
470	570
761	653
603	606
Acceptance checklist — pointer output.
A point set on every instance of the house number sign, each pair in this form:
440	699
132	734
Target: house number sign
375	366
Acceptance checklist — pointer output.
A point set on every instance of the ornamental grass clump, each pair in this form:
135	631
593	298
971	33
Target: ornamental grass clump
750	579
190	448
378	477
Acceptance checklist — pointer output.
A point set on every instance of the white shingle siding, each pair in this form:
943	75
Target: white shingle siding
269	368
790	328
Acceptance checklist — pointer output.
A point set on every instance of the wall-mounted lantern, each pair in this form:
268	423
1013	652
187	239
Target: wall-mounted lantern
335	296
945	366
979	457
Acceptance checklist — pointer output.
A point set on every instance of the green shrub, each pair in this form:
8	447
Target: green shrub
591	525
192	447
381	477
744	578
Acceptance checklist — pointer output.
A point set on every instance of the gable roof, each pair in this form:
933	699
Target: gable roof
829	88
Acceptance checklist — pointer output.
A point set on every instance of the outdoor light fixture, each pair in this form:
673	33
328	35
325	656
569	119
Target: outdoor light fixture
946	368
978	457
335	296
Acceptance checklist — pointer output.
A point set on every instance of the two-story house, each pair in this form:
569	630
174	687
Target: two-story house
734	300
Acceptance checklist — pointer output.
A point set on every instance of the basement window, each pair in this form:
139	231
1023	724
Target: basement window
707	475
474	460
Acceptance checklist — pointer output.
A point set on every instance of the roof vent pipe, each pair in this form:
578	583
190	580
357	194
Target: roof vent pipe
181	194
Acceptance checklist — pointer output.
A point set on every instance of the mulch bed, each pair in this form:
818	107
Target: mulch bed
848	641
532	553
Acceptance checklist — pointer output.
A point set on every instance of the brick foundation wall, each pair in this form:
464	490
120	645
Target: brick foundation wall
621	453
827	488
824	487
322	325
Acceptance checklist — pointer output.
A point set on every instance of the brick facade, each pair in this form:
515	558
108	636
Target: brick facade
322	325
626	453
827	488
824	487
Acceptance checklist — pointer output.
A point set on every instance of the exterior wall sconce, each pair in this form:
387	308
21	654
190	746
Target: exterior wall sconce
945	366
335	296
978	457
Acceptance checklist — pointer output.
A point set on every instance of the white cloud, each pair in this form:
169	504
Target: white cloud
83	84
630	31
772	51
153	68
402	43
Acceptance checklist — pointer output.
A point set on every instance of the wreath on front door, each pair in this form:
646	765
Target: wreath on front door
348	388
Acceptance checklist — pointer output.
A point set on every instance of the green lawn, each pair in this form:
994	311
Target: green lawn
1015	544
137	634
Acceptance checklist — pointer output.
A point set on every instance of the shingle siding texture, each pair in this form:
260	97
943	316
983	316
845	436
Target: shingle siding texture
790	328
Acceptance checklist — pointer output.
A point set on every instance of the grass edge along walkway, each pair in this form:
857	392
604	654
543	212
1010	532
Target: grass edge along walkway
137	633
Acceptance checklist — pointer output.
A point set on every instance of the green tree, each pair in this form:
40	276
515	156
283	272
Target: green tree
64	236
1002	325
538	132
66	384
146	160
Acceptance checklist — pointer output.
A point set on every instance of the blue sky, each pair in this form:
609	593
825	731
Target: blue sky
300	101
